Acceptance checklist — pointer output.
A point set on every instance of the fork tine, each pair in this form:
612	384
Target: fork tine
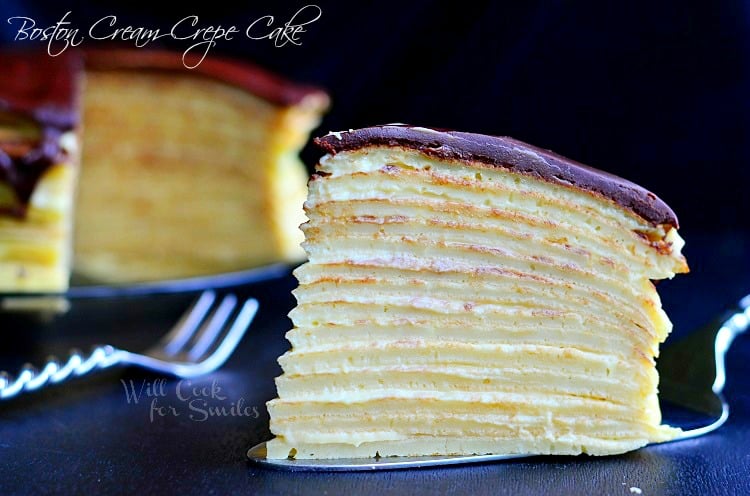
184	329
225	345
212	327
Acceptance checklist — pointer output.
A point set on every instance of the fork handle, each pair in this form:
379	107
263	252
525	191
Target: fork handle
31	378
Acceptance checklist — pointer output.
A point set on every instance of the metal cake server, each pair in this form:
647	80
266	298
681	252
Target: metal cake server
692	378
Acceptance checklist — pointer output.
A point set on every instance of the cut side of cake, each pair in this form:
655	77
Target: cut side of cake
469	294
178	172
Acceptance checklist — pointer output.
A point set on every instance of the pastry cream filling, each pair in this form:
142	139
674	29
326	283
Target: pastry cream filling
567	361
316	320
511	405
447	296
408	424
451	308
334	385
459	257
484	219
321	337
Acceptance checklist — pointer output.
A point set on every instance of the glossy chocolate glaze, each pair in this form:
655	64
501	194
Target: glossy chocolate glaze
47	90
507	153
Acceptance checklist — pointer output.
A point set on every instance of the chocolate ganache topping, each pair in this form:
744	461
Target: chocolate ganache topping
508	153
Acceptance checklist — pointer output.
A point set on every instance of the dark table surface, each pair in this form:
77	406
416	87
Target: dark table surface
190	437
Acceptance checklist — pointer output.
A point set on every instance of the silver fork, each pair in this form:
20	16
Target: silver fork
199	343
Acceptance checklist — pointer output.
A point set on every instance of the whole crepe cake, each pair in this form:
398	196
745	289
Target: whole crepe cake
178	172
470	294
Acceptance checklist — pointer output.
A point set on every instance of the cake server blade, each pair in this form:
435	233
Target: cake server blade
692	374
257	454
692	378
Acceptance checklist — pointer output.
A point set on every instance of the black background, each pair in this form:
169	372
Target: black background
657	92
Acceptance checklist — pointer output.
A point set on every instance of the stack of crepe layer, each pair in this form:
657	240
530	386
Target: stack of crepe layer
455	308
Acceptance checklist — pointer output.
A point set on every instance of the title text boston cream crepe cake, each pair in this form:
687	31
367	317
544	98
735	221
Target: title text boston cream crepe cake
182	172
469	294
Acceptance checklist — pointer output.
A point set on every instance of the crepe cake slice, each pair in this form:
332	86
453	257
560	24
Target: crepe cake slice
470	294
178	172
39	156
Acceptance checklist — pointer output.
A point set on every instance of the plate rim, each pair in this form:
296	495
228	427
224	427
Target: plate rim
182	285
